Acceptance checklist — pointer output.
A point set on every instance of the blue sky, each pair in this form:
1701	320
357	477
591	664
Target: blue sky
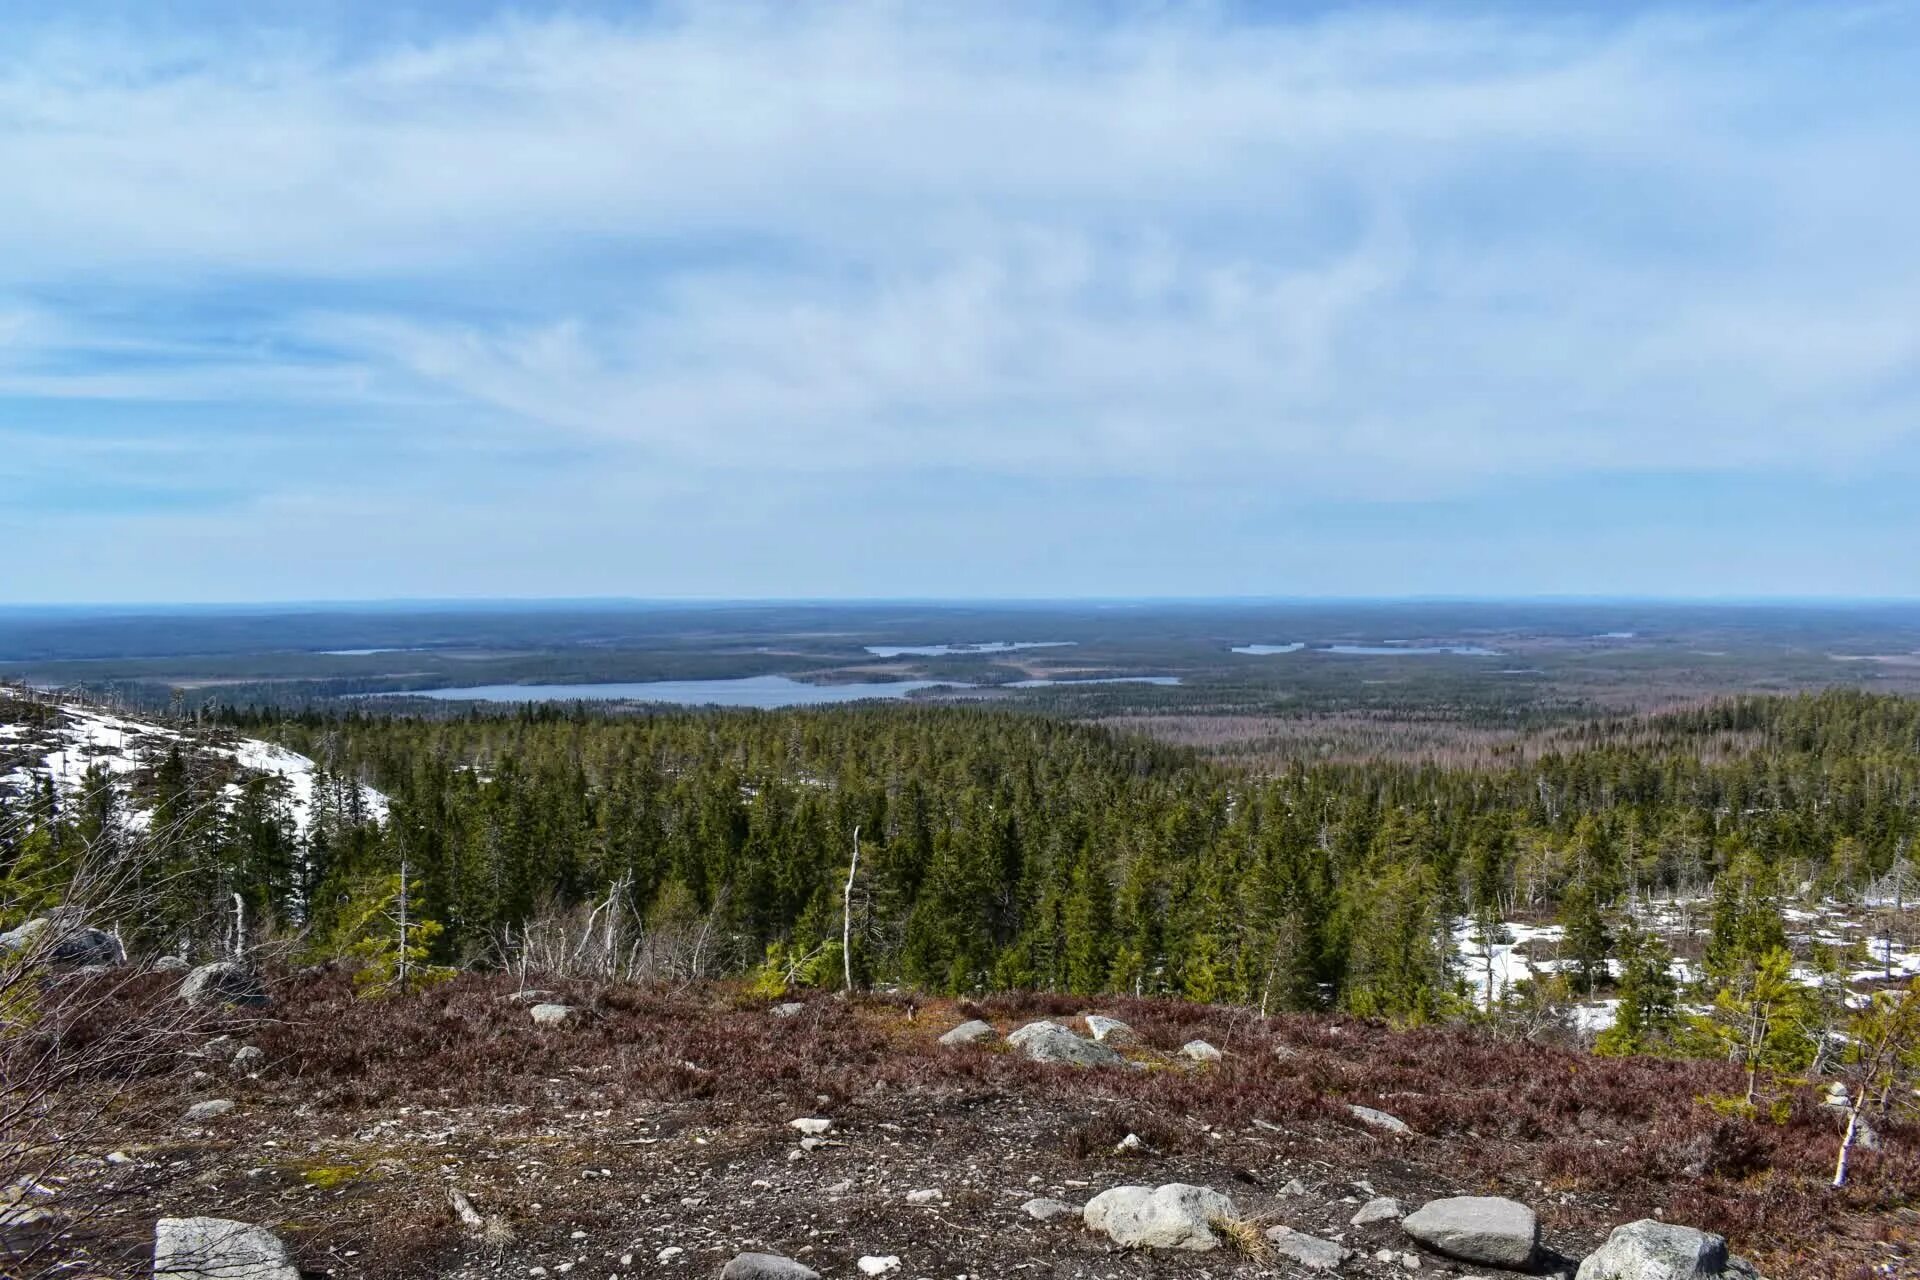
311	301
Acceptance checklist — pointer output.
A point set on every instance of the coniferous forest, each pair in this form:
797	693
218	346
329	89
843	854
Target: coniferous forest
1000	850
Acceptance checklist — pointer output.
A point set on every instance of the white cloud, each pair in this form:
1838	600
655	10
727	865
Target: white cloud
1369	254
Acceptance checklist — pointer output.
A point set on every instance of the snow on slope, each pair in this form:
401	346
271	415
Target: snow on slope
68	740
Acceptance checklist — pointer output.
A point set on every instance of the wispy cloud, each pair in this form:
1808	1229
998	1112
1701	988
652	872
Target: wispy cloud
1360	255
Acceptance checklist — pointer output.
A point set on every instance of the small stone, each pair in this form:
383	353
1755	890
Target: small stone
1486	1230
974	1032
550	1015
840	1188
1379	1120
247	1059
1309	1251
1177	1215
669	1253
1131	1145
1199	1051
1046	1209
211	1109
1379	1209
223	982
924	1196
812	1126
790	1009
1294	1187
878	1266
766	1266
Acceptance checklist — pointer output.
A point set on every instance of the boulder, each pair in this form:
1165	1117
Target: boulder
975	1032
219	1249
1103	1029
1489	1231
1379	1209
790	1009
1199	1051
64	943
1175	1216
550	1015
1650	1250
1310	1252
1046	1209
1378	1120
1051	1042
766	1266
170	964
223	982
247	1059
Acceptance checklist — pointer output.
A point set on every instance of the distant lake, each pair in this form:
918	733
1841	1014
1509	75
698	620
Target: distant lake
961	650
362	653
749	691
1387	649
1048	684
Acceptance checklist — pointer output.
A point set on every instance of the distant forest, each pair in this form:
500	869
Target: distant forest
1007	850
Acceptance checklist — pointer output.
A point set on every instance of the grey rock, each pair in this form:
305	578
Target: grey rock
1175	1216
1378	1119
974	1032
766	1266
1310	1252
221	1048
1103	1029
1650	1250
550	1015
812	1126
1488	1230
1379	1209
1051	1042
531	997
247	1059
169	964
223	982
211	1109
925	1195
63	942
1294	1187
219	1249
1047	1209
1199	1051
790	1009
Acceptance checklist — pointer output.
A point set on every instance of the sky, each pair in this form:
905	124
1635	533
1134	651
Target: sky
975	300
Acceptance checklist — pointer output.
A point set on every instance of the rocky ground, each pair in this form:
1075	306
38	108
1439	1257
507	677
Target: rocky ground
651	1133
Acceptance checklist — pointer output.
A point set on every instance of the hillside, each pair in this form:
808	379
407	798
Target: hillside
647	1133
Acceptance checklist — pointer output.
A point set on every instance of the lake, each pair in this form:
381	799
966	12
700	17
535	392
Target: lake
961	650
748	691
1050	684
1387	649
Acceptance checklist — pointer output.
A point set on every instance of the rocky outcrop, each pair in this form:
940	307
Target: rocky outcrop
224	982
1051	1042
974	1032
1175	1216
1650	1250
1489	1231
219	1249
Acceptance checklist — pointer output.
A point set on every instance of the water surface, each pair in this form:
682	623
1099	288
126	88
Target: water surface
748	691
